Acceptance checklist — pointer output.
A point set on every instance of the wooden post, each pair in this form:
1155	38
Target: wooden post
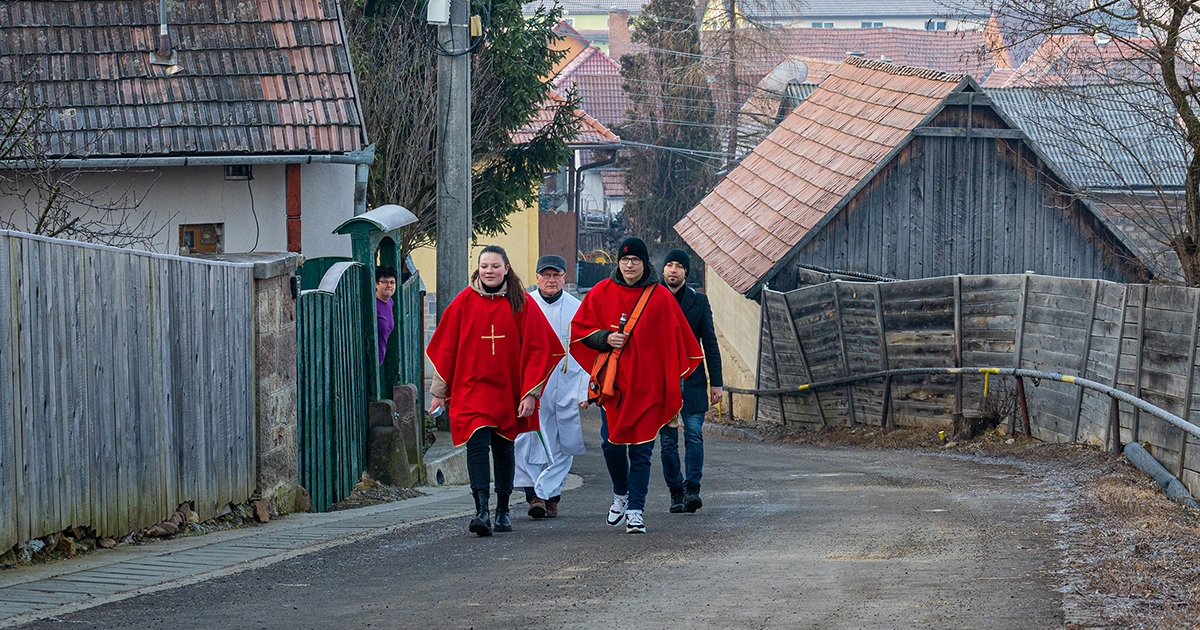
1020	331
804	361
1137	370
883	355
1024	406
837	312
1083	361
958	380
885	421
1114	424
1187	392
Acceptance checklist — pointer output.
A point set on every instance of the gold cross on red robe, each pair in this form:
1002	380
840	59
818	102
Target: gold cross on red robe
493	338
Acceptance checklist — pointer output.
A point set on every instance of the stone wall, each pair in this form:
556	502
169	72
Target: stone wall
275	359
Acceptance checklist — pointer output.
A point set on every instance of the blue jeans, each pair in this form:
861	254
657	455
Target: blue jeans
693	439
628	466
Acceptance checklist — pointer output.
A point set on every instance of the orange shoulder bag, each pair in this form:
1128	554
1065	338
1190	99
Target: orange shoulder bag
602	385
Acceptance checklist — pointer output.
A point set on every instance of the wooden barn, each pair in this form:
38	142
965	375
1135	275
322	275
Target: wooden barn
897	172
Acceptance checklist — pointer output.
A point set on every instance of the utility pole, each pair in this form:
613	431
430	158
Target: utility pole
732	84
453	154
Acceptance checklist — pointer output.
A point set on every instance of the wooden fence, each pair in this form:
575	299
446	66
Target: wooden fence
1141	339
335	366
126	387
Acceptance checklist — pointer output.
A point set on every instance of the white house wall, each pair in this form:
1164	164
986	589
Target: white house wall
171	196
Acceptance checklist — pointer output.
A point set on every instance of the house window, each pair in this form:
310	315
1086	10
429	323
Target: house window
569	21
822	24
872	24
935	25
202	238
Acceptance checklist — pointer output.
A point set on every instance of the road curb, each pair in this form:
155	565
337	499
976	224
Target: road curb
731	433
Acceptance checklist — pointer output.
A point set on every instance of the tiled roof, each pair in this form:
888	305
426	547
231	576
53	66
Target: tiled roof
590	132
829	144
947	51
271	76
1103	137
591	61
596	77
613	182
1078	60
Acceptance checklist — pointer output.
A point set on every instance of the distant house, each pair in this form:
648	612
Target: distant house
244	134
932	15
590	18
898	172
1074	59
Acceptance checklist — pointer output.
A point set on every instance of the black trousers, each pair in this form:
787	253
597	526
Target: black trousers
502	455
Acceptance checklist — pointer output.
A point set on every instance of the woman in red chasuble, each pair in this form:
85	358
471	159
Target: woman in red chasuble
491	356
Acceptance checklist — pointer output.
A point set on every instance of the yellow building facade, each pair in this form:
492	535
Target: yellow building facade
520	241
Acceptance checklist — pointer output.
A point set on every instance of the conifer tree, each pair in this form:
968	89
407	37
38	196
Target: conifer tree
670	123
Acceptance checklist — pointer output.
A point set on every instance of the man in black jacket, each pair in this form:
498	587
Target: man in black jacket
699	390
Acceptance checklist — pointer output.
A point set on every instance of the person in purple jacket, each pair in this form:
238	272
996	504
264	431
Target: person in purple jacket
385	288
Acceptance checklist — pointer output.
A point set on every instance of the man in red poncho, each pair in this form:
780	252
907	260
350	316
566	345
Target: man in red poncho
631	334
492	353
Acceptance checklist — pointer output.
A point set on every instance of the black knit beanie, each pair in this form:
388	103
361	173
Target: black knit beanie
681	257
634	246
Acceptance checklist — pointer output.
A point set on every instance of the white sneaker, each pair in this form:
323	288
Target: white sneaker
634	523
616	513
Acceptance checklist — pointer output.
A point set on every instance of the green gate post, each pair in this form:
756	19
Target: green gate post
375	242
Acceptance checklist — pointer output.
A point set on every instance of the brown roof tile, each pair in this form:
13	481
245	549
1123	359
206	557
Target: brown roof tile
947	51
596	77
804	168
271	76
590	131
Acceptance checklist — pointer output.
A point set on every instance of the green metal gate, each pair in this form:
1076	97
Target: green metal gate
335	325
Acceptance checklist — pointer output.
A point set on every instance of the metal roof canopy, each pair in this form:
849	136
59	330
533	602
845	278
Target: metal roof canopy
382	219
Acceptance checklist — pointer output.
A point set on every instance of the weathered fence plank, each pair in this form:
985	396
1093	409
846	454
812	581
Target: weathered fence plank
1141	339
95	428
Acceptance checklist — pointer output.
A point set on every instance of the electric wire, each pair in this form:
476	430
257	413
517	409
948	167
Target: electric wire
257	231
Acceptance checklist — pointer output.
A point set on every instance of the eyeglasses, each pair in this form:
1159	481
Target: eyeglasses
630	261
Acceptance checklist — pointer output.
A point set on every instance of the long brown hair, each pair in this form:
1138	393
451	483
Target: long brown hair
513	287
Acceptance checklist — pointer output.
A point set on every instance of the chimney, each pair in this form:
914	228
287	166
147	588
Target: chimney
163	55
618	33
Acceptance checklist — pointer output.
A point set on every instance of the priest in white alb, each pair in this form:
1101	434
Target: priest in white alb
544	457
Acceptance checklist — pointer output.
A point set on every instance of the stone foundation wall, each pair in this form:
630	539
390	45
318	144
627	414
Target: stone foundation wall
275	362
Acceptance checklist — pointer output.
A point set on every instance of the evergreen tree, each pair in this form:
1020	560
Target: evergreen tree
672	110
396	67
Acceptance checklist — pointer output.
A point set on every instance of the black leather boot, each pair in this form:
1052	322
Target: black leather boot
482	523
502	522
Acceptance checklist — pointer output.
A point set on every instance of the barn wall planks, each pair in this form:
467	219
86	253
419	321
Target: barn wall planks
1002	213
1141	339
125	387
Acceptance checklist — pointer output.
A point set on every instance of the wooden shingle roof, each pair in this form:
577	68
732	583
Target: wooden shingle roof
829	145
253	78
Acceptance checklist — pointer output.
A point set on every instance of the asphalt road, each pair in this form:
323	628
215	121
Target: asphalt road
789	537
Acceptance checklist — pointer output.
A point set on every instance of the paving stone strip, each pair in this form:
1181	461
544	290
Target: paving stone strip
31	593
